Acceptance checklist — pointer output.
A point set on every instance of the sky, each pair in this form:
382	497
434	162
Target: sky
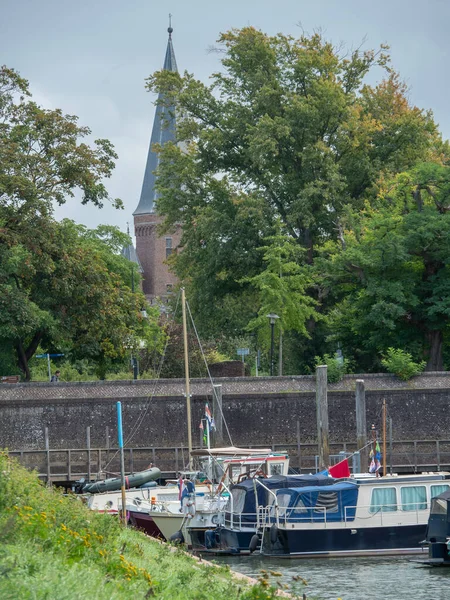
91	58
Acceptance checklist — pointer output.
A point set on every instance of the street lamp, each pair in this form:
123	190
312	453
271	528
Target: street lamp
272	318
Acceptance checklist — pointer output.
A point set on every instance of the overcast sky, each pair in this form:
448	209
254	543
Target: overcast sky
90	58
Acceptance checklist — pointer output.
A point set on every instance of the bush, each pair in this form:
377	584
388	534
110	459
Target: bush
337	367
400	363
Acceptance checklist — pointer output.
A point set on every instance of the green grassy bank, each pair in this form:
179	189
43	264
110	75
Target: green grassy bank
53	547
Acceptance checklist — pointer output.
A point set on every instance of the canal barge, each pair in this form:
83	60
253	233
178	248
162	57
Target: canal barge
361	516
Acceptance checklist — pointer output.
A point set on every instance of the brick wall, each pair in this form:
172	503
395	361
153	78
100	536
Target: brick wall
151	250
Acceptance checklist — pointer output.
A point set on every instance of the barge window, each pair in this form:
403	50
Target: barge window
276	469
438	489
283	503
414	497
384	500
238	500
438	506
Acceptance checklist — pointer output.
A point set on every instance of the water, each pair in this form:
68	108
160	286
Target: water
374	578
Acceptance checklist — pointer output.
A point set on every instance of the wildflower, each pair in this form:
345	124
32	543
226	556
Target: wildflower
63	527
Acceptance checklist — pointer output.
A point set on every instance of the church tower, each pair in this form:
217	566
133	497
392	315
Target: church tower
153	249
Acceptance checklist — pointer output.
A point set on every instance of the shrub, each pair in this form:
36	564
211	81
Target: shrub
337	367
401	363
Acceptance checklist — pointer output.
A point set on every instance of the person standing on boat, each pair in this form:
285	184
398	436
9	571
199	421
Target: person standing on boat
187	495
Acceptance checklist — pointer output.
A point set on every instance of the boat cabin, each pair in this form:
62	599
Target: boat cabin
336	502
250	494
438	531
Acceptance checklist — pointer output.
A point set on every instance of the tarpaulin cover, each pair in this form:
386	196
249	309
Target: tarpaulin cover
307	503
248	507
438	529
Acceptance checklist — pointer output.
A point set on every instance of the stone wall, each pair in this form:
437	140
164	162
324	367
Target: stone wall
258	411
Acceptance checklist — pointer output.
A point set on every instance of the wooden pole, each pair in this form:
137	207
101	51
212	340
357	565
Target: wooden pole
218	414
299	449
186	375
88	444
47	452
361	424
384	438
322	416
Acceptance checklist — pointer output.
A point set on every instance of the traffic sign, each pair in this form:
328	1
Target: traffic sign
48	355
243	351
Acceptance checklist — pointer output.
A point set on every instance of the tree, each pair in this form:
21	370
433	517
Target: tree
61	286
286	133
393	277
67	295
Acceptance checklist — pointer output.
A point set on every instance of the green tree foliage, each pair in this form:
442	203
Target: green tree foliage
393	276
61	286
288	140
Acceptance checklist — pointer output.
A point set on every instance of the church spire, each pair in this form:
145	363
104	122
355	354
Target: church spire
163	131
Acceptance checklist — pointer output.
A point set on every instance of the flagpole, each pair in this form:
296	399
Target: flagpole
186	374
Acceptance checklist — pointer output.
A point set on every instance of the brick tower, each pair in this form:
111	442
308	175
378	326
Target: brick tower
153	249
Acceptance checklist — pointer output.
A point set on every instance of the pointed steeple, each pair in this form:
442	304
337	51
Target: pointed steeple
129	252
163	131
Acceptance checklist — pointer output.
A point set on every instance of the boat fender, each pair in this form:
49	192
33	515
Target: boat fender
253	543
273	533
190	509
177	538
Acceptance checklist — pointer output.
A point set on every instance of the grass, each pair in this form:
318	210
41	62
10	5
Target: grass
53	546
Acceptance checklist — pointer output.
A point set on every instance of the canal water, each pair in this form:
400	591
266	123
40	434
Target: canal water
375	578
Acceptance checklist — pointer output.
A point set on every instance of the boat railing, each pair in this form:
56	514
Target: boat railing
240	520
384	515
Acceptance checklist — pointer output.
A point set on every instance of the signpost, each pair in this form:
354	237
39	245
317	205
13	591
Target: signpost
48	357
243	352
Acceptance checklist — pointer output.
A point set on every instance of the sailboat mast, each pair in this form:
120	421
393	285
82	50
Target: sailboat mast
384	438
186	375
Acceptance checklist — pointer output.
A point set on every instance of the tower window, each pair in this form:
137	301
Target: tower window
168	246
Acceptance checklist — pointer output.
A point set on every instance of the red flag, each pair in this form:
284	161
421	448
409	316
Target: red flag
340	470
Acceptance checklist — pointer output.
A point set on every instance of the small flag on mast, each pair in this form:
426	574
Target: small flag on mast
375	459
209	418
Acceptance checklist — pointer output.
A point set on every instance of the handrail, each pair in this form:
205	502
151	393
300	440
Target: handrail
275	504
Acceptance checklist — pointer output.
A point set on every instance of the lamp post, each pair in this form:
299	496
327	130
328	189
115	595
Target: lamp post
272	318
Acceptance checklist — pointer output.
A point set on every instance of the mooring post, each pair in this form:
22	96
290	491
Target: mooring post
88	445
47	452
322	416
361	424
217	412
299	450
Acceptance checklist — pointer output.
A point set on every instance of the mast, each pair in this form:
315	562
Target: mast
384	438
186	374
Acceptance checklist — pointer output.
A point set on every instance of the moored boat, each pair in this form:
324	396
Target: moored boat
134	480
365	516
438	532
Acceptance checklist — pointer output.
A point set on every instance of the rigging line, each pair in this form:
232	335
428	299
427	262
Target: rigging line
148	400
209	374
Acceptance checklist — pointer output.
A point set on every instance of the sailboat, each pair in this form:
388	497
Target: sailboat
202	506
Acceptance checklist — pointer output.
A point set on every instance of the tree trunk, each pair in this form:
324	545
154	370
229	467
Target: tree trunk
24	355
23	361
434	339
